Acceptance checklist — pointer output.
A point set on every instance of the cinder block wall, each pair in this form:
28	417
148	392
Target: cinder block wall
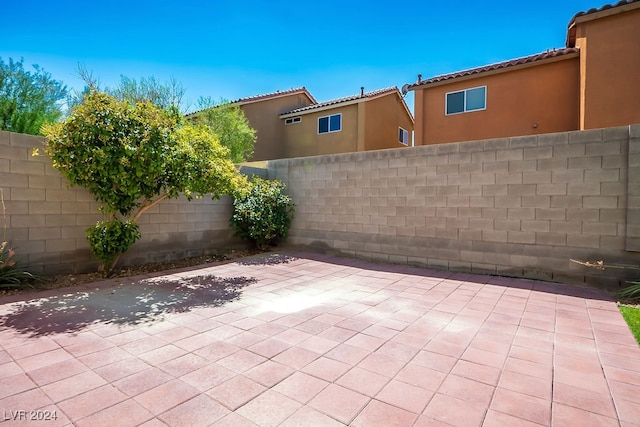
46	220
515	206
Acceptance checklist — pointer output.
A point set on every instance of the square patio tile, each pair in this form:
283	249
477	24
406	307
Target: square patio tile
236	391
326	369
523	406
454	411
381	414
406	396
269	409
363	381
166	396
339	403
199	411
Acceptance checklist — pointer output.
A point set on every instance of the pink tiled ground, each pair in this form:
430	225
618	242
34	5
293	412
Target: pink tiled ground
307	339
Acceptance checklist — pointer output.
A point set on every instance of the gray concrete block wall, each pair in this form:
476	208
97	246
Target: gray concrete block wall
46	220
517	206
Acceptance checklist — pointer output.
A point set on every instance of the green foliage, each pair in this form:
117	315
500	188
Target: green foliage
28	99
630	293
231	125
131	155
632	317
12	274
116	150
262	214
167	95
108	239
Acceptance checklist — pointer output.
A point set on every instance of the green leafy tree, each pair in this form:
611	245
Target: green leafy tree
230	124
28	99
131	156
168	95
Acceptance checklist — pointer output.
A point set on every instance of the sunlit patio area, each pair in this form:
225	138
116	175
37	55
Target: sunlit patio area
303	339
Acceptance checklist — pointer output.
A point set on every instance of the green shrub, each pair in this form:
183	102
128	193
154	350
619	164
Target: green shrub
12	274
108	239
630	293
263	213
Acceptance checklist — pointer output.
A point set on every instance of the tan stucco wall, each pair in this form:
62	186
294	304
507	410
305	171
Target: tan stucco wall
610	55
539	99
264	118
383	117
302	139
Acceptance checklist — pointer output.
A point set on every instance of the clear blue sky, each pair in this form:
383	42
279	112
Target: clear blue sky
231	49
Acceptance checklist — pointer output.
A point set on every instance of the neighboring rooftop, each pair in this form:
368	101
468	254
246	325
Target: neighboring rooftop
595	13
347	99
601	9
549	54
275	94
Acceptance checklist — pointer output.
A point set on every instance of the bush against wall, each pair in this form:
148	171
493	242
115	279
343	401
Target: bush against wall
262	214
130	156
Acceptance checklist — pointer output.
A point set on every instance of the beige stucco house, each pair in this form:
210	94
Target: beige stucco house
367	121
292	123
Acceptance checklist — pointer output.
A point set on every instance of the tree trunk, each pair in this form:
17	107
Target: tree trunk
146	205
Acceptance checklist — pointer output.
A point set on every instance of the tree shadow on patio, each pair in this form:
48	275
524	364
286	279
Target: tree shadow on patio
143	302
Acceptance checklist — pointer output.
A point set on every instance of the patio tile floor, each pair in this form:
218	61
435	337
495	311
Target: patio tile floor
286	339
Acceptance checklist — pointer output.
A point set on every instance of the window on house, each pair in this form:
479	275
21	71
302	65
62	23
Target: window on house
292	120
403	136
466	100
332	123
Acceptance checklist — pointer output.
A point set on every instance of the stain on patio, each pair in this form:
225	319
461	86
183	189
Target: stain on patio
308	339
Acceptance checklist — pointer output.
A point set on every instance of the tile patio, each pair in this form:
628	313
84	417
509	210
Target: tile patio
295	339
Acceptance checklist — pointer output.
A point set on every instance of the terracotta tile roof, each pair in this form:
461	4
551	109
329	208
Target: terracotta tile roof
497	66
262	97
607	9
351	98
601	9
274	95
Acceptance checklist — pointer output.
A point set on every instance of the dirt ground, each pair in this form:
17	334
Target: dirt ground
70	280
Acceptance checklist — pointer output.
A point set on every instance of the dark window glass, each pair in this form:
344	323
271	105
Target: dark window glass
334	124
323	125
455	102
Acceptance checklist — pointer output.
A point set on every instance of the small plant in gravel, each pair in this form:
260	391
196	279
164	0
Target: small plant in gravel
628	296
262	214
631	292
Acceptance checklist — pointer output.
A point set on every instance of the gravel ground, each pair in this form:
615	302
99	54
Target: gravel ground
70	280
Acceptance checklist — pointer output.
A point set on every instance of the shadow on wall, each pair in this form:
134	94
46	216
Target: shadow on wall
146	301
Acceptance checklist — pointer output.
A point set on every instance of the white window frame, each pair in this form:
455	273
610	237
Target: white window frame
329	127
464	103
292	120
405	133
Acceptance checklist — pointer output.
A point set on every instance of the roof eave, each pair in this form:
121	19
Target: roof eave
506	69
313	109
302	91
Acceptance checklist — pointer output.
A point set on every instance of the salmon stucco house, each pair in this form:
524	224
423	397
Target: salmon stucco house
592	82
292	123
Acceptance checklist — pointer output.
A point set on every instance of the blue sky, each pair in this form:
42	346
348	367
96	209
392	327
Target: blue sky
231	49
